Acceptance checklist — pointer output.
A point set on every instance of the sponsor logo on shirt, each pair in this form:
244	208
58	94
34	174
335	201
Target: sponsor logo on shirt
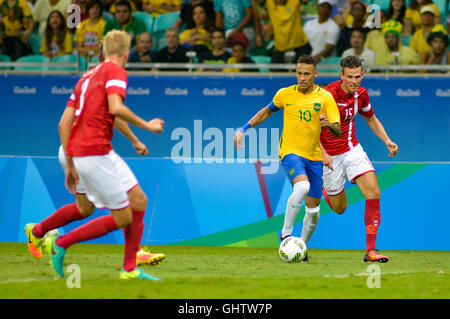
138	91
61	90
252	92
443	93
214	92
24	90
176	91
408	92
373	92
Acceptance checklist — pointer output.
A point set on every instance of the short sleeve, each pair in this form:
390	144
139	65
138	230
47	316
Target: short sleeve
278	99
71	101
365	108
116	82
331	109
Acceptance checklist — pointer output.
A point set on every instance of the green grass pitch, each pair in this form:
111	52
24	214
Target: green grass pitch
198	272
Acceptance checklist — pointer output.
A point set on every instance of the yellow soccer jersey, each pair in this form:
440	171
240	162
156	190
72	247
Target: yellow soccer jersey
301	120
90	36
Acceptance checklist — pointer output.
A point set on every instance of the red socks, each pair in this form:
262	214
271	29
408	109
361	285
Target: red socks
61	217
326	198
372	221
95	228
133	236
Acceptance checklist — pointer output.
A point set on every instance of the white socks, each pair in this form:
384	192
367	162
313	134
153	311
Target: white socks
310	222
293	206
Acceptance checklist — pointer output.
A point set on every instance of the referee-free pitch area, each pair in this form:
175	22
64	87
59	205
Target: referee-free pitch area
197	272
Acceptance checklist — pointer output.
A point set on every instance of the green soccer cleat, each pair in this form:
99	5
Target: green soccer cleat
56	254
34	244
137	273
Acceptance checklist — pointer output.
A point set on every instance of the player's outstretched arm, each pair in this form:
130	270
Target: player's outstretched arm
257	119
123	128
117	108
378	129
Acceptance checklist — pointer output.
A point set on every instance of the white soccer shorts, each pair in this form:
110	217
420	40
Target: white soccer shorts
348	165
105	179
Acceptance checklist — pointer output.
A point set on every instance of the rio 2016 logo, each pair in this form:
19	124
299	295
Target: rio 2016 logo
74	18
374	19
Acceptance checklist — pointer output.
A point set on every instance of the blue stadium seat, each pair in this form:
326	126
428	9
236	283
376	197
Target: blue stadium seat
261	59
69	58
4	58
161	23
34	58
107	16
35	41
384	4
405	39
331	61
441	4
146	18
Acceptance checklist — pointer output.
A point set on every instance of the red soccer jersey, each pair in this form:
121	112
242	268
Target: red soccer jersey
349	105
92	131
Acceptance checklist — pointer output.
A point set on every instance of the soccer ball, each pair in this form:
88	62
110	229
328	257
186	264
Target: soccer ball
292	249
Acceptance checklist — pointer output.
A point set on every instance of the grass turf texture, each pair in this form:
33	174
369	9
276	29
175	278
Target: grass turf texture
193	272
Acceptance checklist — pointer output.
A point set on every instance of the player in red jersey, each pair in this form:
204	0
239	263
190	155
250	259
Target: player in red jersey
344	158
82	207
107	179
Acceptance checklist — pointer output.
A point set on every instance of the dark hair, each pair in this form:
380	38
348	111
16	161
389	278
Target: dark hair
208	20
221	30
93	3
124	3
390	12
415	5
242	44
360	30
351	62
60	33
306	59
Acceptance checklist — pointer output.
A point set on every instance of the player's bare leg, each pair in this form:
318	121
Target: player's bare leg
368	185
338	203
133	233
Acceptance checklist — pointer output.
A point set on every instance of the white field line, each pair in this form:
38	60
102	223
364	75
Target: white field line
365	274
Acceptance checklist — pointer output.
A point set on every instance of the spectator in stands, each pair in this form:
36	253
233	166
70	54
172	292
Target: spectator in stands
397	10
112	7
419	39
413	20
218	55
158	7
395	53
17	24
263	29
142	52
345	17
357	39
358	11
198	39
375	38
57	39
238	56
438	52
125	21
186	13
322	32
90	33
236	17
285	18
42	9
174	52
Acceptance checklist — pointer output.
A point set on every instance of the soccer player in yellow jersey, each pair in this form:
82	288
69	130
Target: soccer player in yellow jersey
307	109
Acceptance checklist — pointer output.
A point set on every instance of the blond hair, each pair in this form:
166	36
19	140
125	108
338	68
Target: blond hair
116	42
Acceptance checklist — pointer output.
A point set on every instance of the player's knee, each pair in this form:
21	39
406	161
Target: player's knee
123	220
373	193
86	209
139	202
340	208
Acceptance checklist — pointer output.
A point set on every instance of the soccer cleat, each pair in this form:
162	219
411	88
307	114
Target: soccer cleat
283	238
305	260
374	256
137	273
143	257
56	254
34	244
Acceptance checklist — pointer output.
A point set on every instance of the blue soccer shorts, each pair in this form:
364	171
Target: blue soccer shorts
295	165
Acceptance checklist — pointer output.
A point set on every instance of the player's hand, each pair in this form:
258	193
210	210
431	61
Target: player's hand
72	180
392	147
140	148
156	125
239	140
324	121
327	160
